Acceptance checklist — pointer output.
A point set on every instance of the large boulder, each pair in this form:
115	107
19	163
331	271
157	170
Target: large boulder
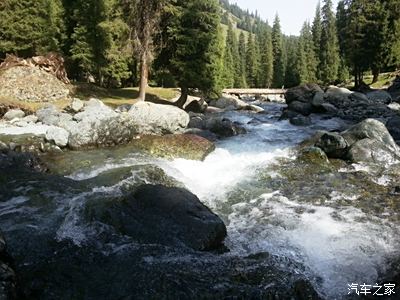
31	84
372	151
188	146
300	107
151	118
370	129
367	141
223	127
8	290
380	96
229	102
303	93
169	216
97	125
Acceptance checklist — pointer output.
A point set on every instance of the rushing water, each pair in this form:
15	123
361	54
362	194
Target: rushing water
324	227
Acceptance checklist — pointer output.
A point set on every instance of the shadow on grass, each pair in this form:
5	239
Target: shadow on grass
116	97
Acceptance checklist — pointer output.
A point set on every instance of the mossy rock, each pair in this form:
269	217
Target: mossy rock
187	146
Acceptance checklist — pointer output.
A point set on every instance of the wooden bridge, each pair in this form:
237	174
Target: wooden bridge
275	92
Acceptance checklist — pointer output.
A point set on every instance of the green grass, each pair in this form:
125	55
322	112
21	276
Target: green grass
116	97
384	81
31	107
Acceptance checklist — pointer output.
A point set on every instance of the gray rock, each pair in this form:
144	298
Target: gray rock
359	97
318	99
150	118
380	97
333	90
300	120
303	93
197	122
14	114
393	125
313	155
58	136
229	102
370	129
52	117
77	105
300	107
30	119
123	108
196	105
333	144
223	127
372	151
254	108
329	108
107	130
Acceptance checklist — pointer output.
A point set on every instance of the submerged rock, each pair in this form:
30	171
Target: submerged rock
8	281
300	120
155	214
313	155
186	146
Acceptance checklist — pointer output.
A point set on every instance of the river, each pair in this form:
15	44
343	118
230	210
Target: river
331	227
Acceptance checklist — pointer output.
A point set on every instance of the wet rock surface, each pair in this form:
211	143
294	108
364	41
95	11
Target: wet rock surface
367	141
8	280
188	146
338	102
155	214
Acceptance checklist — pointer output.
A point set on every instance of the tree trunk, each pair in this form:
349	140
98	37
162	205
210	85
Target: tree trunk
143	78
376	76
183	98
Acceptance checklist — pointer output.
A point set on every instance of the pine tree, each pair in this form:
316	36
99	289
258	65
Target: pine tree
232	45
277	44
30	27
90	37
252	61
267	60
306	66
192	46
242	57
316	33
329	54
291	47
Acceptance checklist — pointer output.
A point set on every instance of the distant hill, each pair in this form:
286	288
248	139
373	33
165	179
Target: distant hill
241	19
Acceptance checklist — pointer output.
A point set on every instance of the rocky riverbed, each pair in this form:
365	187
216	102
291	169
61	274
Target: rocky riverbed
229	203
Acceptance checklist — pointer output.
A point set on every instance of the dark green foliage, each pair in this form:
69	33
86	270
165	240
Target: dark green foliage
329	49
368	35
279	64
192	50
306	65
267	60
242	60
30	27
316	33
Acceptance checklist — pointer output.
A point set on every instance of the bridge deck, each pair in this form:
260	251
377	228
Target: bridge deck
255	91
